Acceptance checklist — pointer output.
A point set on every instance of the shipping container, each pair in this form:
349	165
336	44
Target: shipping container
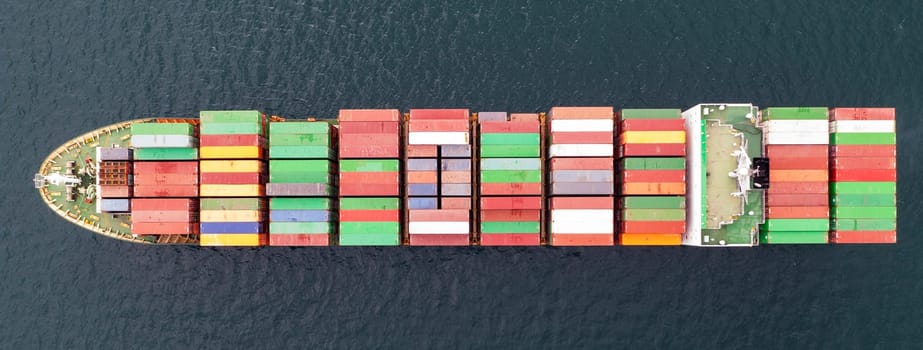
439	240
166	153
862	126
862	114
629	137
439	114
605	137
369	115
300	189
650	239
165	190
653	125
248	116
794	113
579	240
233	240
581	113
162	129
163	141
650	113
581	150
860	237
163	228
232	140
510	240
231	152
299	240
214	190
582	125
653	149
840	139
793	237
863	151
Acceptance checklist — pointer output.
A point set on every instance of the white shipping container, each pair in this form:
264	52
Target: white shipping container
114	205
439	227
582	125
582	215
862	126
802	126
581	150
163	141
796	138
438	138
578	227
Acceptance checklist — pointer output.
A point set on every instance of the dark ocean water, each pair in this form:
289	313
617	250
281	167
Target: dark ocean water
69	67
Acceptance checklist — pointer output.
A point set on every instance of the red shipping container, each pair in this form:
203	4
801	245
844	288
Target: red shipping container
166	191
583	203
455	203
812	212
369	115
870	237
421	151
231	140
164	216
511	215
653	125
511	188
369	215
111	191
164	204
864	151
517	239
843	163
439	240
164	228
369	139
299	240
510	127
562	137
775	152
389	128
582	164
523	117
360	189
232	178
369	151
439	114
456	177
862	114
863	175
582	239
796	200
652	226
654	176
798	163
461	125
441	215
652	149
369	177
166	179
185	167
581	113
511	203
798	187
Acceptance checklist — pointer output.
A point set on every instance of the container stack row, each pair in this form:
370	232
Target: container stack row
113	179
369	174
652	169
302	183
863	167
510	207
232	147
796	143
165	179
582	179
439	177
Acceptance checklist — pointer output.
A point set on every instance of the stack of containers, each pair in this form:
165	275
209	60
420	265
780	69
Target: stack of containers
652	168
864	174
510	179
582	177
369	177
797	209
233	175
439	174
113	178
165	179
301	169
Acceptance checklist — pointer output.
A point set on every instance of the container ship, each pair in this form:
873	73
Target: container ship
714	175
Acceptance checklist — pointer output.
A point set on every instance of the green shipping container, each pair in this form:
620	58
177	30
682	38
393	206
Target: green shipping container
796	225
863	200
511	176
312	165
511	138
864	224
162	129
299	227
231	129
650	113
230	117
795	113
301	152
301	177
300	204
166	153
654	202
838	188
368	165
299	128
299	140
494	227
654	214
509	151
863	138
793	237
231	204
391	227
363	203
664	163
841	212
369	239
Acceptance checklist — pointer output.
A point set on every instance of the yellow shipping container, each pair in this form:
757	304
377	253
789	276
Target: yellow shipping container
232	240
230	152
652	137
651	239
210	190
229	216
230	166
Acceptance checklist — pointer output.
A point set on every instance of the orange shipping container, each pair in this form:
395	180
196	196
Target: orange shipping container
797	175
422	177
636	239
654	188
582	239
581	113
798	163
811	212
